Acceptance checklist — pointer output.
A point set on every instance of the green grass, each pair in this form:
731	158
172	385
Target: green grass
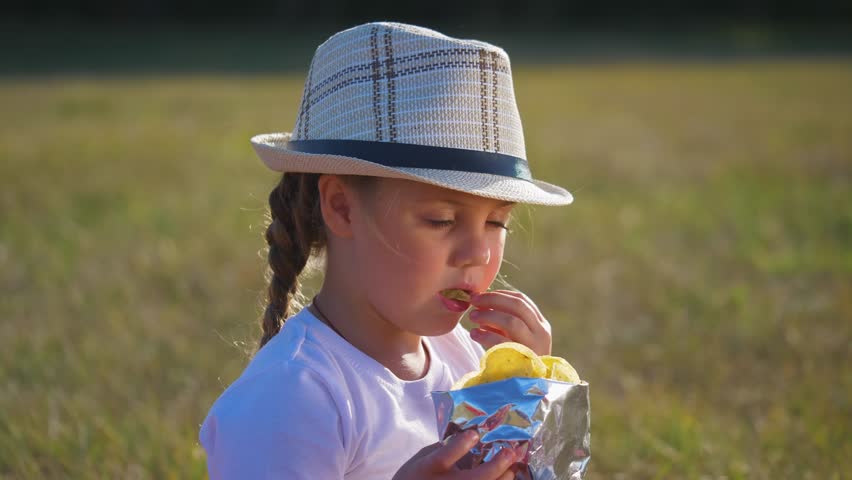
701	282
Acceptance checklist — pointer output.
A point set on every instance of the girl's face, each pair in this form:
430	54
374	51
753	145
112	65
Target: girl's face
415	240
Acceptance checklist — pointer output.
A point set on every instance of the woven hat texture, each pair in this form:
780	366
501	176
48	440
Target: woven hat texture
447	104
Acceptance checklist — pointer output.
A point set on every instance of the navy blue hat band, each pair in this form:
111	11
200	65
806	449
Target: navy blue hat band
406	155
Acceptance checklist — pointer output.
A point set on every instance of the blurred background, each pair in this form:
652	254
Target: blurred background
701	282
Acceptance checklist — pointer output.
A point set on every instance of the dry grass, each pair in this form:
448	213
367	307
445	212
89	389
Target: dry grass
701	282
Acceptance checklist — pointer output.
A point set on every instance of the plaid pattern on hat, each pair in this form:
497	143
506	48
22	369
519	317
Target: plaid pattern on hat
409	84
403	101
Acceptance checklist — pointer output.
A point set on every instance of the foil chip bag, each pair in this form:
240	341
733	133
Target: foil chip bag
541	416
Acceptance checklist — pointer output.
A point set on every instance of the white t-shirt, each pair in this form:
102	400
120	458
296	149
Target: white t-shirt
311	406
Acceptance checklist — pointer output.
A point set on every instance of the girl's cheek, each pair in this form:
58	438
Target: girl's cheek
496	261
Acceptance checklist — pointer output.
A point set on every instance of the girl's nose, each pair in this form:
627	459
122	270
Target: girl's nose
474	251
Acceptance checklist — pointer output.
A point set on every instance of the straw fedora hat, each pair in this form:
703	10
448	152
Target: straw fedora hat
395	100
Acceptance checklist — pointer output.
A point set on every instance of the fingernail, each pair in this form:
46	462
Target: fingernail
471	437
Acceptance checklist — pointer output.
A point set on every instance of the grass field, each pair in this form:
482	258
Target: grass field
701	282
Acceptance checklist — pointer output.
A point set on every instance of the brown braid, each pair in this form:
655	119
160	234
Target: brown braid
296	228
296	231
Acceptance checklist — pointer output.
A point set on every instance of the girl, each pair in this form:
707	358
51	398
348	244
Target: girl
403	167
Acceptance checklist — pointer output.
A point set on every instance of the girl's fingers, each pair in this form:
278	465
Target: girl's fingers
513	308
511	304
509	325
453	449
496	469
530	304
487	338
507	475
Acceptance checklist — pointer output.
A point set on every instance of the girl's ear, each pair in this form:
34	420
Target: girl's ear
336	201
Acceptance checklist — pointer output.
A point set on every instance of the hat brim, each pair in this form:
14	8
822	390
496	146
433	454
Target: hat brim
273	151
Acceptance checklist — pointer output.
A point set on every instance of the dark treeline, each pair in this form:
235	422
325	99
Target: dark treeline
477	12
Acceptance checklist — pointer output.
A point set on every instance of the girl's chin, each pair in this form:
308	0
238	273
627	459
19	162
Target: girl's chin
439	325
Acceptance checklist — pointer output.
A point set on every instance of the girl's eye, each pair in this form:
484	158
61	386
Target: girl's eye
440	223
447	223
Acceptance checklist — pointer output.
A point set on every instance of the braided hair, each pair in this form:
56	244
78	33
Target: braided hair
295	229
295	232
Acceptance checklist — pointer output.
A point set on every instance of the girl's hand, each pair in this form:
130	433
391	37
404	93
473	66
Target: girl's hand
438	461
507	316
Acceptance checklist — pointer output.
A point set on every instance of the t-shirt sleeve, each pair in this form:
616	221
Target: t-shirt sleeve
280	424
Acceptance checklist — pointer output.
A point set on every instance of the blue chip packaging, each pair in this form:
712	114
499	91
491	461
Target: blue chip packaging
546	422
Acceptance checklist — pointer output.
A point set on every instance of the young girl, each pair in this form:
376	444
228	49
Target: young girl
403	167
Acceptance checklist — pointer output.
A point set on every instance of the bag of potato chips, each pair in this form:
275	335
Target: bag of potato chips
537	406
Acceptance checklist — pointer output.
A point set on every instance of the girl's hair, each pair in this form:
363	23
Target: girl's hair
295	232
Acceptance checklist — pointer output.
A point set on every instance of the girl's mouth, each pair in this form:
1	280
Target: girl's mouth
455	299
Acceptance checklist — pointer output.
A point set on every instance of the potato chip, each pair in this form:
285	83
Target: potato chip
559	369
510	359
517	347
467	380
549	360
456	294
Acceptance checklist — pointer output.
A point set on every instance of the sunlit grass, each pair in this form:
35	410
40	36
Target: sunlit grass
701	282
